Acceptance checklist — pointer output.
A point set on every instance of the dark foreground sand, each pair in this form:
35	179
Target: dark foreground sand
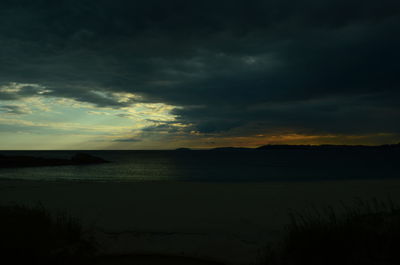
223	222
154	260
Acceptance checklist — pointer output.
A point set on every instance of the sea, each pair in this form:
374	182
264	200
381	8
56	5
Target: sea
215	166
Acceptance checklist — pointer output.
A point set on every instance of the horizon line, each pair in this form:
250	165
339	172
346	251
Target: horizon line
211	148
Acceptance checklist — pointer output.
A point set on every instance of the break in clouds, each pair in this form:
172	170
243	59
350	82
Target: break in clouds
236	68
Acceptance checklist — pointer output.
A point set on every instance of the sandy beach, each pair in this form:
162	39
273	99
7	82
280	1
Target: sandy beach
223	222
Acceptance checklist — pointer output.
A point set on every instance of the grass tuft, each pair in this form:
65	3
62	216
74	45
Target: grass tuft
32	235
367	233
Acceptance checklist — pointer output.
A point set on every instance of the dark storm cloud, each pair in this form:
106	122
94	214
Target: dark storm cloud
163	127
323	66
14	91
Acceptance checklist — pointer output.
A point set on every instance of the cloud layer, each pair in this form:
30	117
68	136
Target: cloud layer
237	68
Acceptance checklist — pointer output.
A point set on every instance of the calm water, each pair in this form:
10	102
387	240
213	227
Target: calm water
272	165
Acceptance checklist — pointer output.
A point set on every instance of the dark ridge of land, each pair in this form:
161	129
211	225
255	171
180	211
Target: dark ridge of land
312	147
31	161
331	147
183	149
231	149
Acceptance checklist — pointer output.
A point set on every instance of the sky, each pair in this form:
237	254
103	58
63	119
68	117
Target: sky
156	74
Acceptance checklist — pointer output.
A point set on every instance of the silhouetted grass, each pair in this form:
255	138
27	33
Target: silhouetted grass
366	233
32	235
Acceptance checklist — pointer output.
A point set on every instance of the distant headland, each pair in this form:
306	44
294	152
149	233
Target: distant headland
329	147
31	161
312	147
183	149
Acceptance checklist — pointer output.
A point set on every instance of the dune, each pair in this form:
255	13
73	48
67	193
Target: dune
153	260
228	223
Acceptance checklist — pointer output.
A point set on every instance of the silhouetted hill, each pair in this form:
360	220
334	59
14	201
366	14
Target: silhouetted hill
312	147
231	149
183	149
31	161
329	147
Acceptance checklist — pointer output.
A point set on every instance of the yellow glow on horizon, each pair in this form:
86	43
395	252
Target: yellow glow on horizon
297	139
